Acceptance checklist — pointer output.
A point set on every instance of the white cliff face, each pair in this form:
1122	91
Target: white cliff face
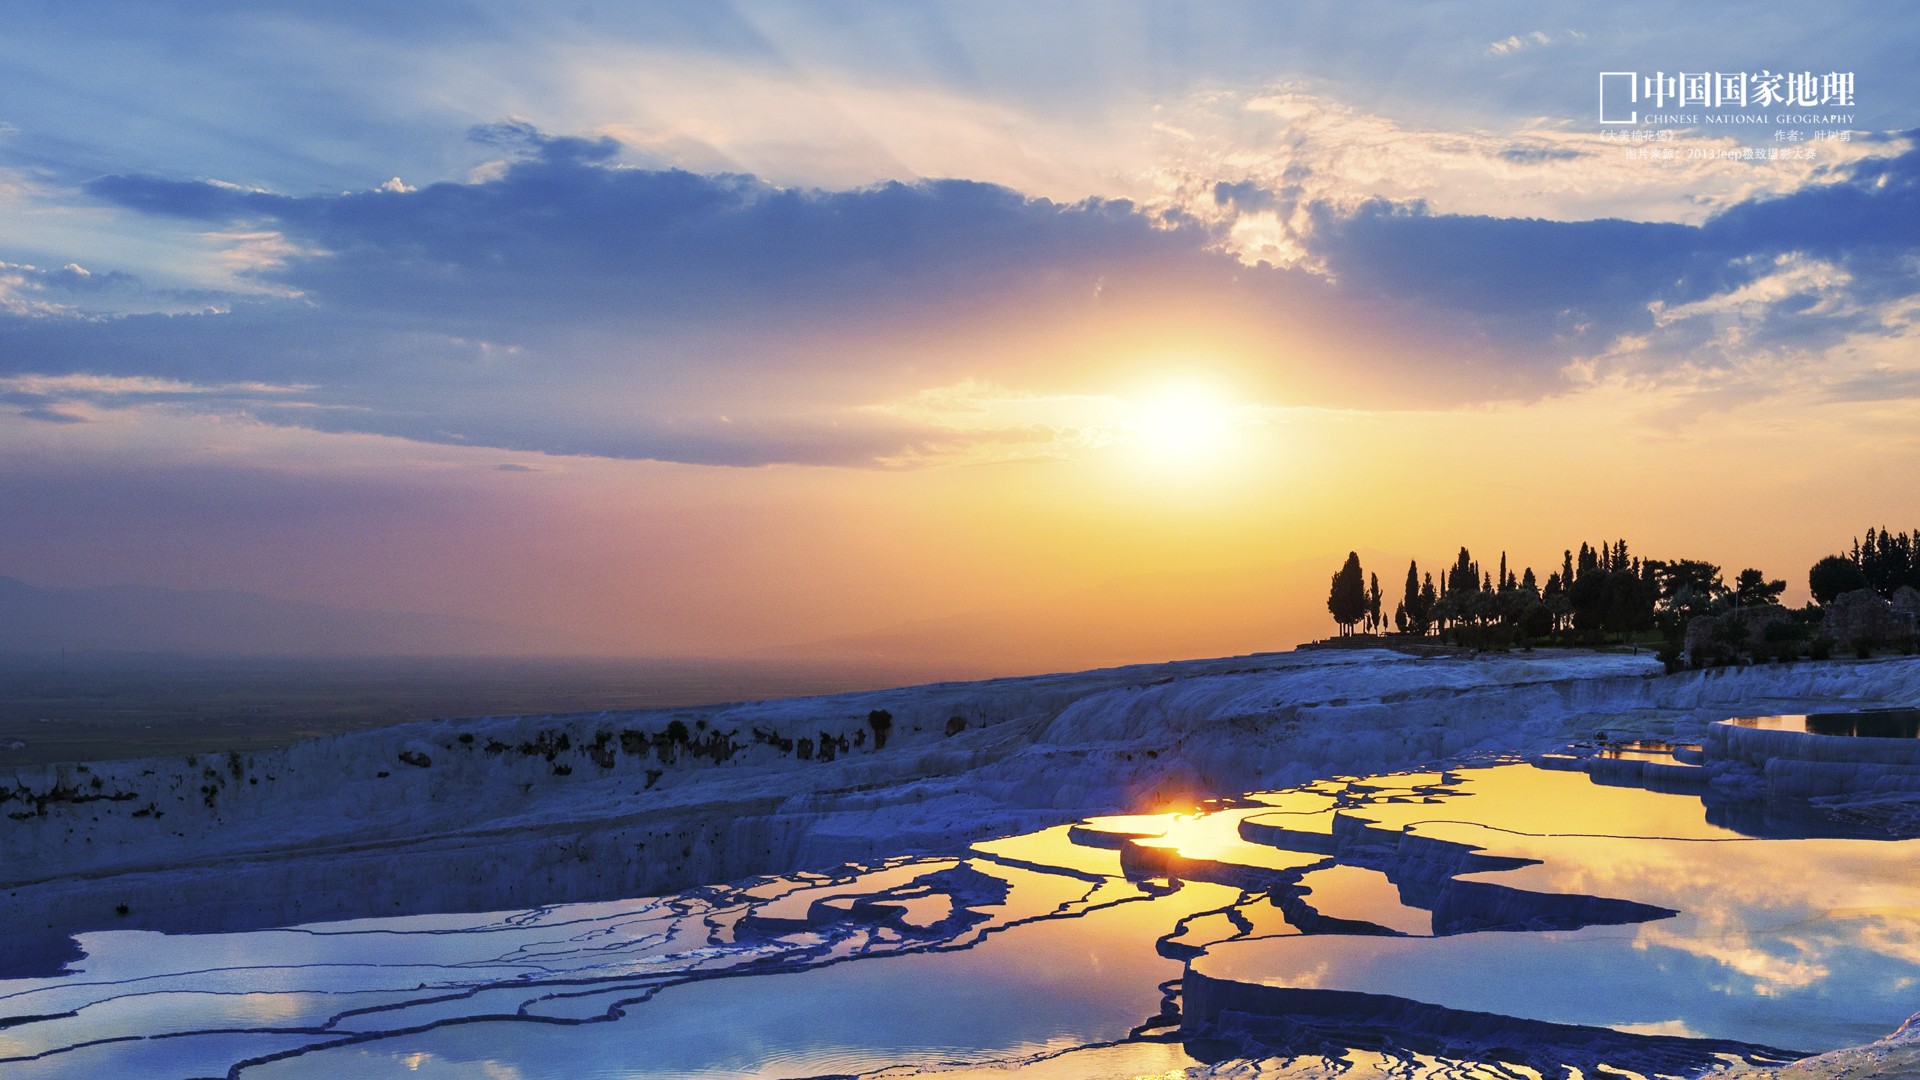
510	814
667	798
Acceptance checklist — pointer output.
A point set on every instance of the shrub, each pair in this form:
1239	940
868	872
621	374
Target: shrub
881	721
1787	630
1820	648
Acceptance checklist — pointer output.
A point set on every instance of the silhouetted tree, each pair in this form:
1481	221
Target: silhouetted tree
1610	592
1588	562
1465	575
1373	602
1752	587
1685	589
1536	619
1834	575
1629	605
1347	599
1887	561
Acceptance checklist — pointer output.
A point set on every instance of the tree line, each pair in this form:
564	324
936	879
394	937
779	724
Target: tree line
1883	562
1598	591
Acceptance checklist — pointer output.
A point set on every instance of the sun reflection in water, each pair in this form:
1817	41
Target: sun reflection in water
1589	928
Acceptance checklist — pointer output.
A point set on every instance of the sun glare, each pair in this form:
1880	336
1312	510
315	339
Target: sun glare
1182	426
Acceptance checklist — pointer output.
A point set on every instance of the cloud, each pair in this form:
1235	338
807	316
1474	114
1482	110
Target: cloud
46	414
78	398
558	234
847	440
1532	39
420	313
1523	278
29	290
521	137
571	304
1795	272
1301	146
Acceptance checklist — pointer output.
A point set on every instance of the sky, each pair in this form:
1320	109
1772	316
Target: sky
1050	334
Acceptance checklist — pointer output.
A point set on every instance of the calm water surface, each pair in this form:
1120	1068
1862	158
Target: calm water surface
1860	723
1506	913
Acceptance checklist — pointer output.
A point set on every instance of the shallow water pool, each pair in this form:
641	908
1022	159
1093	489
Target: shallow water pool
1860	723
1508	914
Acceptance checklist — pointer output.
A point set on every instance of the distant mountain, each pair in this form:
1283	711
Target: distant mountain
140	618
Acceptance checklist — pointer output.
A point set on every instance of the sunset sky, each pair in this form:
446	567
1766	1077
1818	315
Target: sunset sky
1046	334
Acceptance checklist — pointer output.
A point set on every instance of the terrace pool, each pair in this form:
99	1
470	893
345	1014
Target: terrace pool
1863	723
1506	913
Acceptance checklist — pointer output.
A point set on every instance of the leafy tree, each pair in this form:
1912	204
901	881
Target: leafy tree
1834	575
1629	605
1587	596
1554	596
1699	577
1615	601
1752	587
1347	599
1482	609
1560	606
1882	560
1373	602
1685	589
1511	607
1536	619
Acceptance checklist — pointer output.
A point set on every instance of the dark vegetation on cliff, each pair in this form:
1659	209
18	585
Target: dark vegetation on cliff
1865	601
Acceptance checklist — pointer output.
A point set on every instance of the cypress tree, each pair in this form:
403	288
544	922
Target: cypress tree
1347	599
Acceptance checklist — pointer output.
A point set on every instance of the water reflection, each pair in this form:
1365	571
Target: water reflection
1862	723
1507	913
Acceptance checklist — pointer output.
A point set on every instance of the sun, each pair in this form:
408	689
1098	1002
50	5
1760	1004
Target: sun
1182	425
